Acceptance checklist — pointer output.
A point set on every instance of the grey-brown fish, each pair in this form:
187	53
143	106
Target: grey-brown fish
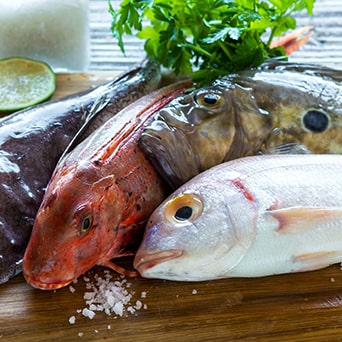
276	108
33	140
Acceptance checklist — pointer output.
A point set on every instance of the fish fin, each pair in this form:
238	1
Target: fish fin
160	143
99	104
316	260
293	40
290	148
309	69
119	269
91	115
296	219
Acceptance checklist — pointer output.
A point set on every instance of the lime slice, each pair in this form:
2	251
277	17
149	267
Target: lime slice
24	83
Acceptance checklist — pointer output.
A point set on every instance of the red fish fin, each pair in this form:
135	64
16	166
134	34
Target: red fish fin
297	219
294	40
316	260
135	123
120	269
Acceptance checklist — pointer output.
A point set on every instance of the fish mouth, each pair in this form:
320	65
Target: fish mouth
143	262
45	285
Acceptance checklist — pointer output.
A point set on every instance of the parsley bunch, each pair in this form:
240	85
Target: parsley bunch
213	37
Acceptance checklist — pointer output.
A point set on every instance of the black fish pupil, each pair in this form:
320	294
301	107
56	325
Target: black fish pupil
210	99
86	223
316	121
183	213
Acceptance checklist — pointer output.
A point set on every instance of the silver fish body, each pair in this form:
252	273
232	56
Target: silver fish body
275	109
253	216
33	140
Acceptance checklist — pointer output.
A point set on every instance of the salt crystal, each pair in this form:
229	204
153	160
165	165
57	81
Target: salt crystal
88	295
110	300
194	291
88	313
138	305
118	308
72	320
80	334
93	307
72	289
110	296
109	327
130	309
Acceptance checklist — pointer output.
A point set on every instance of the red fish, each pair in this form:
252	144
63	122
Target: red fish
98	199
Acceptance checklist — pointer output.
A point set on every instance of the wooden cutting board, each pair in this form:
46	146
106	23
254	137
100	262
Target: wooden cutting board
294	307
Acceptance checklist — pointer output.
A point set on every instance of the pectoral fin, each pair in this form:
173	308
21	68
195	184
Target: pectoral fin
296	219
289	148
119	269
316	260
96	108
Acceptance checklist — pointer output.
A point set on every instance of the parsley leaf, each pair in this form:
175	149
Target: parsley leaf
206	38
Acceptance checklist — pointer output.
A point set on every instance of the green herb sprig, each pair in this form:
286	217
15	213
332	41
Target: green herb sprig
207	38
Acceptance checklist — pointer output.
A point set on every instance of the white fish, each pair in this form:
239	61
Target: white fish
250	217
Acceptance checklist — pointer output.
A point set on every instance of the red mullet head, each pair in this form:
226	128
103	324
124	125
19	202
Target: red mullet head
74	227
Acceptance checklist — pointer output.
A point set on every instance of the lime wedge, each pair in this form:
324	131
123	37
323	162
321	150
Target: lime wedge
24	83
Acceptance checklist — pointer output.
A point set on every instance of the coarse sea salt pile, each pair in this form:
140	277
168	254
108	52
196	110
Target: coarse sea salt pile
108	295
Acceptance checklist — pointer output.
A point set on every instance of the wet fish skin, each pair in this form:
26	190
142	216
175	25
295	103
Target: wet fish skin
32	141
98	199
277	108
250	217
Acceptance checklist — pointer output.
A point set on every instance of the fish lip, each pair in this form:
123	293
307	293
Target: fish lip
143	263
45	286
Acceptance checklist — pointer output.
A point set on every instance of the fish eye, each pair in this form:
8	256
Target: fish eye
316	121
86	224
184	208
183	213
209	99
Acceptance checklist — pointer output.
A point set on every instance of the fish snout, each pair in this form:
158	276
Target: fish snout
44	283
40	266
145	261
43	276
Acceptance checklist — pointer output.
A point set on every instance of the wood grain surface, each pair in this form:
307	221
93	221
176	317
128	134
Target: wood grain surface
293	307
